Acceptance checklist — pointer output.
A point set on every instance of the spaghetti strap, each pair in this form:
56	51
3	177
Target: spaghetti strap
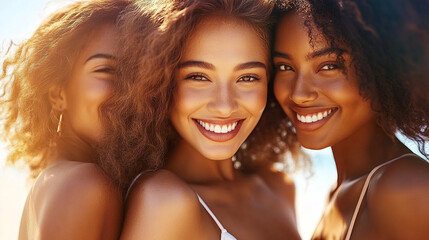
225	235
363	192
135	180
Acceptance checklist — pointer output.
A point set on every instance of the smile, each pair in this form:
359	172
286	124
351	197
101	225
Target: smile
314	117
219	130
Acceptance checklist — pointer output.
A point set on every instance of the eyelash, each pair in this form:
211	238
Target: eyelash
329	67
105	70
248	78
197	77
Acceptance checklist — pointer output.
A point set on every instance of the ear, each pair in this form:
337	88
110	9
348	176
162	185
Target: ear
57	98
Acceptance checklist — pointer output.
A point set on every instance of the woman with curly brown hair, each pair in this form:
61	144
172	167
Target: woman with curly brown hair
192	89
54	84
350	74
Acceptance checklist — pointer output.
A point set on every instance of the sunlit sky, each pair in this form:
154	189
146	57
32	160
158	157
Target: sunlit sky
18	19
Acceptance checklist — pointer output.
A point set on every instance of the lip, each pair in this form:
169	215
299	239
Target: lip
311	126
219	137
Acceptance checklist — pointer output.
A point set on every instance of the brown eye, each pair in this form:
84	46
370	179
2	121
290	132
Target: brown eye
197	77
248	78
284	67
328	67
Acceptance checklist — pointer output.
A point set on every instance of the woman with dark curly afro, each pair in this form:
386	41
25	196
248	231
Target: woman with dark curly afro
350	75
54	84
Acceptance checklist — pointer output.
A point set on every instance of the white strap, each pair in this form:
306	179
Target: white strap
135	180
211	213
225	235
363	192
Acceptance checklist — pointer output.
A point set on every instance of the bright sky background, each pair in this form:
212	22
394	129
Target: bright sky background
18	19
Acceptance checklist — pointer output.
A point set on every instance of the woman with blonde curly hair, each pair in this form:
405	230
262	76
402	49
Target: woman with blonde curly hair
54	84
192	89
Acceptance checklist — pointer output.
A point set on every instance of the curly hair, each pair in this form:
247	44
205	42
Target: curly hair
153	35
388	43
44	60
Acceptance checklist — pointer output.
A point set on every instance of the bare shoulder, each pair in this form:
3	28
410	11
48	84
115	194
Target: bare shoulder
397	198
76	201
160	200
160	188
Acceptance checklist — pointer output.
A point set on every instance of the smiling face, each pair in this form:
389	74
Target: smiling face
90	84
320	98
221	86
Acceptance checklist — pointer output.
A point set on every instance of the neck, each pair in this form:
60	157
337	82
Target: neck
71	147
369	147
190	165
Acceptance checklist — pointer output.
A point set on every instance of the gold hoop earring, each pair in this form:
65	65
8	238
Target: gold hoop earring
60	120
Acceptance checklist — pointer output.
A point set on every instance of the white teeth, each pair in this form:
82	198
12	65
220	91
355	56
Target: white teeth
218	128
313	117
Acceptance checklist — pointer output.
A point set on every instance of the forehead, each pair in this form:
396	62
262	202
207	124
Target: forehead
220	34
294	28
100	40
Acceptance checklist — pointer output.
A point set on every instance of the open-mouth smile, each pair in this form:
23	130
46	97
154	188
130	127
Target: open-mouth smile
219	130
311	119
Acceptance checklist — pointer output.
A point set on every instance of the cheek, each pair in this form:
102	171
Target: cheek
281	91
93	96
255	100
187	100
83	107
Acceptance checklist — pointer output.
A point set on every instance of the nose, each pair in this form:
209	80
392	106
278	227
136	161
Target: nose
223	101
303	90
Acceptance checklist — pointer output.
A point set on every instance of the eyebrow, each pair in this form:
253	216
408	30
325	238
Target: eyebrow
250	65
200	64
282	55
323	52
100	55
210	66
315	54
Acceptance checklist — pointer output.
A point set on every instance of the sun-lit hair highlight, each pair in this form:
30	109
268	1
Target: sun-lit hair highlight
45	59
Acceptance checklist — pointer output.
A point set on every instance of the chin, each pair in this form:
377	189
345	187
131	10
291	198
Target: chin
313	145
218	156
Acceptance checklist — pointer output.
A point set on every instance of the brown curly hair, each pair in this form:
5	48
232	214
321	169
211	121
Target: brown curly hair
153	35
44	60
389	45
